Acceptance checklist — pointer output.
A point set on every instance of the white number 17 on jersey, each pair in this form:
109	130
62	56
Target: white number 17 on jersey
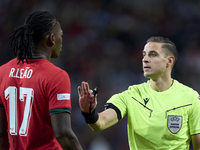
25	94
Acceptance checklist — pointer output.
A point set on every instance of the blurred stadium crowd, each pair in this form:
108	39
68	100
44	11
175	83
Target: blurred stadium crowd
102	44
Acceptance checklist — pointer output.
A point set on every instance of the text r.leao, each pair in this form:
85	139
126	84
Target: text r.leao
21	73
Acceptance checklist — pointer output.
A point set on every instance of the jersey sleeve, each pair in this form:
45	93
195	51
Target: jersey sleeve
59	91
0	101
119	102
194	118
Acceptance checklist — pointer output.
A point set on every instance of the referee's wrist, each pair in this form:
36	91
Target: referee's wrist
90	118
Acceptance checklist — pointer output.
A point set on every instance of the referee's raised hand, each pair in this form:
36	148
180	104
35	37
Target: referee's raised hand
87	100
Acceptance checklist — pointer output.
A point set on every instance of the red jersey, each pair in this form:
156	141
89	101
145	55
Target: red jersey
29	92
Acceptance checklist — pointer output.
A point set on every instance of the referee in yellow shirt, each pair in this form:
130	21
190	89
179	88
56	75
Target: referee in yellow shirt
163	114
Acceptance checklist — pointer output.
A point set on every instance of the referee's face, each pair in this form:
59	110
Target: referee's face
154	60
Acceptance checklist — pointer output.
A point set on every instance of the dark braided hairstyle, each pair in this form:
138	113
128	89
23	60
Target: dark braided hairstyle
37	25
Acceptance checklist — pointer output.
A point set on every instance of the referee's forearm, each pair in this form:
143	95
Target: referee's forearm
96	126
106	119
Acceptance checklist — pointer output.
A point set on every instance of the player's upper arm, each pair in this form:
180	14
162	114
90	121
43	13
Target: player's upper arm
106	119
4	144
3	121
196	141
61	123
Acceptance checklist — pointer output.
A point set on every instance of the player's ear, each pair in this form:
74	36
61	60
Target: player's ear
50	39
170	60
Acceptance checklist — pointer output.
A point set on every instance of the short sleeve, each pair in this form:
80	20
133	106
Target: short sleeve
194	118
59	91
118	101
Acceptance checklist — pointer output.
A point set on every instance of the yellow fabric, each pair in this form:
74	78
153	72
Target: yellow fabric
165	122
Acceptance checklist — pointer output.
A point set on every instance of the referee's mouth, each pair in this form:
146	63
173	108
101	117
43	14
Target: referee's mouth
146	68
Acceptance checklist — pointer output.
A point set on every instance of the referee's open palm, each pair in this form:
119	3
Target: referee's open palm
85	97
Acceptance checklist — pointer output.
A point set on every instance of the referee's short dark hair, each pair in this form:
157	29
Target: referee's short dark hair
167	44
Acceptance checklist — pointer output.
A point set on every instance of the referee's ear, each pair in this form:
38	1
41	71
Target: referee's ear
170	61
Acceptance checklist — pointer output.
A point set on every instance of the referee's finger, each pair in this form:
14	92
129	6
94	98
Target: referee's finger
84	88
79	91
87	87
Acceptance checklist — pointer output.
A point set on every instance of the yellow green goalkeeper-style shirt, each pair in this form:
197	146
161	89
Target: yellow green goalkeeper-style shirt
159	120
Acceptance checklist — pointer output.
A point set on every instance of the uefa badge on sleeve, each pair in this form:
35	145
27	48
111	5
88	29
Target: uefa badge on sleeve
174	123
63	96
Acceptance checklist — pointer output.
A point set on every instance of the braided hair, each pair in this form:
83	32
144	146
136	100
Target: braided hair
23	39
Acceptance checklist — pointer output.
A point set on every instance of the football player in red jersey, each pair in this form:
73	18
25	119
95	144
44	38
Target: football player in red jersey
35	95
